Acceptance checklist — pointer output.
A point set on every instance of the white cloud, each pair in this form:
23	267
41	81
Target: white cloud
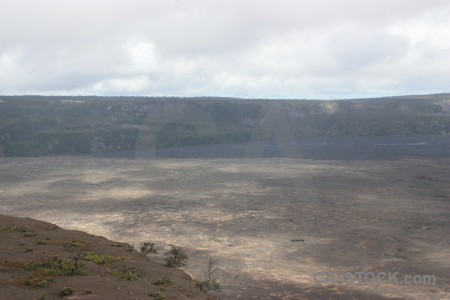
142	56
136	84
265	48
10	72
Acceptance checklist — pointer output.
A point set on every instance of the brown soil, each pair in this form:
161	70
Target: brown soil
25	240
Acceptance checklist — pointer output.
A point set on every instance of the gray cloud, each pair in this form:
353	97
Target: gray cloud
282	49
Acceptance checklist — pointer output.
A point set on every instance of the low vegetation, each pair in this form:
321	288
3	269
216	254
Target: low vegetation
66	291
147	248
157	296
127	274
210	284
13	229
37	275
116	124
45	125
162	281
101	259
74	243
45	271
177	258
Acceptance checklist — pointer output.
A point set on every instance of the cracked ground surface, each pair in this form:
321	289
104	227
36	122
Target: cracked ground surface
272	222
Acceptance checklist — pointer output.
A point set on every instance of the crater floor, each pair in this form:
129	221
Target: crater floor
272	223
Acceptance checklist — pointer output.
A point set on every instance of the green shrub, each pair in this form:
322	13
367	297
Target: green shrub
37	281
147	248
66	291
51	267
69	267
208	286
101	259
45	283
74	243
177	259
127	274
13	228
162	281
157	296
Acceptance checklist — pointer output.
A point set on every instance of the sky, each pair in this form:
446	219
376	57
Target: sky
282	49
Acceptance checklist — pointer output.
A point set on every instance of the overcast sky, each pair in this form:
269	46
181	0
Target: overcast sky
253	49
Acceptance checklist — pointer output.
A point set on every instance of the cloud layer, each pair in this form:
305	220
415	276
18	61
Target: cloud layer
253	49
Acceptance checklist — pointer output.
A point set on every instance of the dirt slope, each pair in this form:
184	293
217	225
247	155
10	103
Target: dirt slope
38	260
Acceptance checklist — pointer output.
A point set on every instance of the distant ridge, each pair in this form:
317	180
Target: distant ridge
44	125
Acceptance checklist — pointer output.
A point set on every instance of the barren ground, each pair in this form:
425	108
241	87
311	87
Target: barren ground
352	215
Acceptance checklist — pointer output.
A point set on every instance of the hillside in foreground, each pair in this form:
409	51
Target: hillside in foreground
39	260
